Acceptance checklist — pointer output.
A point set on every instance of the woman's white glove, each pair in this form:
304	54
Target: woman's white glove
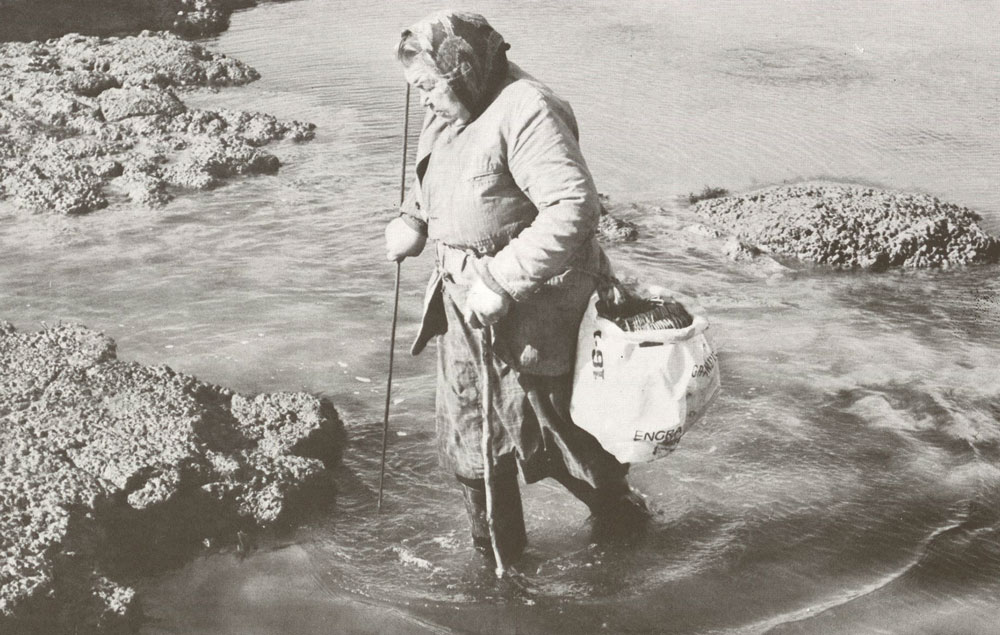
402	241
484	306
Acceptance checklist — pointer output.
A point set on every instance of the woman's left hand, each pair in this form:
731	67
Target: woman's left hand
484	306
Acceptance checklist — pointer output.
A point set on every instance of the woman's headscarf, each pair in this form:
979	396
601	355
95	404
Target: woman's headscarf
465	51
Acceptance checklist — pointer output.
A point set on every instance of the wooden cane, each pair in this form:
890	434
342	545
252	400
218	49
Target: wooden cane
486	399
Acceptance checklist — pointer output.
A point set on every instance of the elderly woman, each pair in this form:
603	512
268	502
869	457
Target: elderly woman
503	190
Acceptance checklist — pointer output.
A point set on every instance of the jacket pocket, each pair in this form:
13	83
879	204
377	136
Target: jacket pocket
493	185
485	174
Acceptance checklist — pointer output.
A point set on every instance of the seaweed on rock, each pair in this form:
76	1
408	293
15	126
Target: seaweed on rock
707	193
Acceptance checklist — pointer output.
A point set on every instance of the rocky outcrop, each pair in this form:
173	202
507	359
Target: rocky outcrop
614	229
852	226
86	121
108	465
122	103
35	19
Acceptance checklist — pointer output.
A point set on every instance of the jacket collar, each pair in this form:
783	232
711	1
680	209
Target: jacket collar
434	127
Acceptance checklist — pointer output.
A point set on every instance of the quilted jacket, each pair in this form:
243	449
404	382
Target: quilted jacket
509	199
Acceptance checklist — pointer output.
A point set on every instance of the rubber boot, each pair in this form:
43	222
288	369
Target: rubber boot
511	536
616	509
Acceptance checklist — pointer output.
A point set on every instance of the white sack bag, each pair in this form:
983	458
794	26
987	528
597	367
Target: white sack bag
639	392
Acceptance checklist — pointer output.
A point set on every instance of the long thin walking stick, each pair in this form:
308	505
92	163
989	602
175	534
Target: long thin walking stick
395	314
487	447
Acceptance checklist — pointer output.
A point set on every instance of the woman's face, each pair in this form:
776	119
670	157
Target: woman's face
436	94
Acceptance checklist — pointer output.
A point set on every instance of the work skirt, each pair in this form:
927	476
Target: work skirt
530	421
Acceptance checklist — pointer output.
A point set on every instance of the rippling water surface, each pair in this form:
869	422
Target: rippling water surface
848	479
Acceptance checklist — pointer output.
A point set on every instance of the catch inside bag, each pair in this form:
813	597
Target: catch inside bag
638	391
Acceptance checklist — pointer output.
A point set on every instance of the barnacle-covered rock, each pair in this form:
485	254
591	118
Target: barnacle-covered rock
103	459
854	226
80	113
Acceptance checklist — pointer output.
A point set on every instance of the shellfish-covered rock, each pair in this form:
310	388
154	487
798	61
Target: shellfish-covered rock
104	462
612	228
61	185
88	121
854	226
121	103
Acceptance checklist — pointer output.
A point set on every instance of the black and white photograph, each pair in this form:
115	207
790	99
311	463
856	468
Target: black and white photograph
610	317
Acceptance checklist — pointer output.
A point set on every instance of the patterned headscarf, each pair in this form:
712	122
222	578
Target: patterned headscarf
465	50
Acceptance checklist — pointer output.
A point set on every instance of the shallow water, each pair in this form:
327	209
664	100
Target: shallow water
846	481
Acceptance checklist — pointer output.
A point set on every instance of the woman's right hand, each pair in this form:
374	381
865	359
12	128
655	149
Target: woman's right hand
402	241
